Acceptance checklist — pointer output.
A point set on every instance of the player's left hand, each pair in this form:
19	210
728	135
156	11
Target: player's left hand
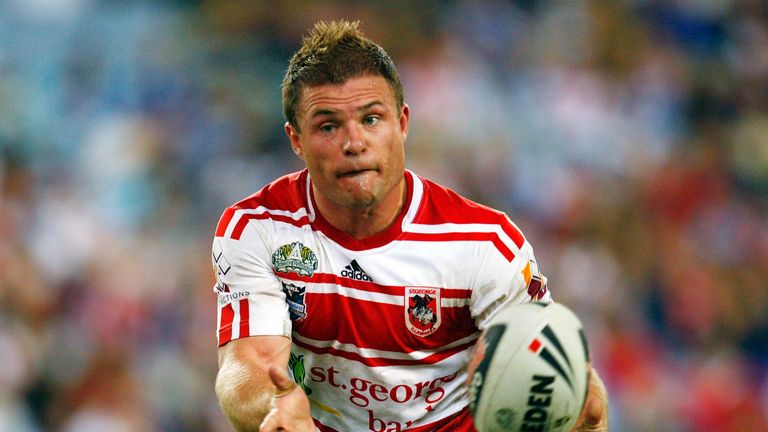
594	416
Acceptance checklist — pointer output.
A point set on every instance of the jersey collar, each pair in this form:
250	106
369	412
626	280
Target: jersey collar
414	193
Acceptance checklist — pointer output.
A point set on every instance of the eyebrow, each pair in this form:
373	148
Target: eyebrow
326	112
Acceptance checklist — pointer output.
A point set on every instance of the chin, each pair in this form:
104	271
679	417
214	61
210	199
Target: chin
361	196
360	202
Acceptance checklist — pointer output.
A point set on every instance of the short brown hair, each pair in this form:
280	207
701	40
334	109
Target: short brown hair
332	53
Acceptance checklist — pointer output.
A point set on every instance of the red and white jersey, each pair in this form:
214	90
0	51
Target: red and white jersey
382	328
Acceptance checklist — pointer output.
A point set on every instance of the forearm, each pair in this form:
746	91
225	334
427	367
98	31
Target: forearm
244	391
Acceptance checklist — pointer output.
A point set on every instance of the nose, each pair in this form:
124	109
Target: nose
354	142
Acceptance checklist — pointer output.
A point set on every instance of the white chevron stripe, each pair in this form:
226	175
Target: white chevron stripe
261	210
448	228
357	294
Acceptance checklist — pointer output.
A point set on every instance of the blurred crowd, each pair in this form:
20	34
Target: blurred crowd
628	140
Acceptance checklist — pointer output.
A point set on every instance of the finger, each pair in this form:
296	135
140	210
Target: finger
270	422
283	384
596	409
593	413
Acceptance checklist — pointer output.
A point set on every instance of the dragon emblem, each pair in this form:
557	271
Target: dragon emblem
422	310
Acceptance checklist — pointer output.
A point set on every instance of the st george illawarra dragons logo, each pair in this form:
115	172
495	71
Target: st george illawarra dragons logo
295	258
422	310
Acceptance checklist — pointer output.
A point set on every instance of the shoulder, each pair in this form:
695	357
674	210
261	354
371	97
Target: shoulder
283	198
442	201
285	193
441	205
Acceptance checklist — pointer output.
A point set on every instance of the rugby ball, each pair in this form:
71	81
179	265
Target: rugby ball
530	370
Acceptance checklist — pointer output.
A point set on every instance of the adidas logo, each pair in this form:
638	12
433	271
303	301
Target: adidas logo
354	271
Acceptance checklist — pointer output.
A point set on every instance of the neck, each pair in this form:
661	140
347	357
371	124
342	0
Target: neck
362	222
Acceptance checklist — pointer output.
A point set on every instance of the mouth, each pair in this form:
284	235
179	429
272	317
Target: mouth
353	173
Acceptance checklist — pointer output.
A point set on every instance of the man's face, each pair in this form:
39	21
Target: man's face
352	140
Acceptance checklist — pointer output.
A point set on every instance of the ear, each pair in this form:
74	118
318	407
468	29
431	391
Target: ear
405	115
295	138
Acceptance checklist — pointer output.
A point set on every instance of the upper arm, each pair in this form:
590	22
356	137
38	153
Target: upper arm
501	281
251	301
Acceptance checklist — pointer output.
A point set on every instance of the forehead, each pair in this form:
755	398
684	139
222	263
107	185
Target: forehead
350	95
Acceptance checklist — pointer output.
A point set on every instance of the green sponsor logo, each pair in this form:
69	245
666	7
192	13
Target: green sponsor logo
296	365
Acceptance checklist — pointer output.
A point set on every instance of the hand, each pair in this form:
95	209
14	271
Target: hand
290	406
594	417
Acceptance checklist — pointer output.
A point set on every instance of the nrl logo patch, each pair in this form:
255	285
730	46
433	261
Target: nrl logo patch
296	258
422	310
294	296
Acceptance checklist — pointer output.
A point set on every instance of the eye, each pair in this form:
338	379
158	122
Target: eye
371	120
327	128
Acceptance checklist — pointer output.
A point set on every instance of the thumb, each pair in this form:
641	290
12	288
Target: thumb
283	384
593	413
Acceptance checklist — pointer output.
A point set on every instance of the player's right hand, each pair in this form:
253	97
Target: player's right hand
290	406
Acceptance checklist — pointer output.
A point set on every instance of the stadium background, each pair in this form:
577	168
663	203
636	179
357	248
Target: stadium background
628	139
